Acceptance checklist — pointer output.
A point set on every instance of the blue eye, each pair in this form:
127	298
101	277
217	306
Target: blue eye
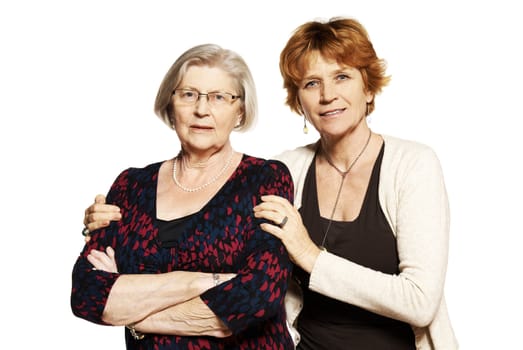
312	84
342	77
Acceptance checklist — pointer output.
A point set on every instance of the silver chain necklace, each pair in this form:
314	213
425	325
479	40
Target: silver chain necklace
212	180
343	176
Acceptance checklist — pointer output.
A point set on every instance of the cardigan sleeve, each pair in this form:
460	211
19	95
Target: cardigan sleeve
91	287
257	292
422	230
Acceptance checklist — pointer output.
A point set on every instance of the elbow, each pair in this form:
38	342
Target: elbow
423	313
265	313
78	306
82	309
421	298
422	319
110	318
77	312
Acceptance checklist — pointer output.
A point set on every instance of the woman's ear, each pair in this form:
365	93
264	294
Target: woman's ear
370	97
240	121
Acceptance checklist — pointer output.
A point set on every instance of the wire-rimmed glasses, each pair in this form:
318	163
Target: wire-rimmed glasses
214	98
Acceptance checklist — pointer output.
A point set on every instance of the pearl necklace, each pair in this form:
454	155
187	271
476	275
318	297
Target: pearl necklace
212	180
343	175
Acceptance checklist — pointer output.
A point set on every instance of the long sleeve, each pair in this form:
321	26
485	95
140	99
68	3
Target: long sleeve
258	291
223	236
90	287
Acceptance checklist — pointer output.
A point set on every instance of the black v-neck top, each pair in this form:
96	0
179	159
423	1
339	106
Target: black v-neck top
326	323
170	231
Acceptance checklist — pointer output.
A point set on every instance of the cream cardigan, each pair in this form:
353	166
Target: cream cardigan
413	197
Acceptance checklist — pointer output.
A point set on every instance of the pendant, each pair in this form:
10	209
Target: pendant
323	248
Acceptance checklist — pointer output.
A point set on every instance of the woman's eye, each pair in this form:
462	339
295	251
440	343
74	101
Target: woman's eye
311	84
219	97
342	77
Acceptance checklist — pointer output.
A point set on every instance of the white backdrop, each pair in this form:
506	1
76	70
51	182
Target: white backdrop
77	85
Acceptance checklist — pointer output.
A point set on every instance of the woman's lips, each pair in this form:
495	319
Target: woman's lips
332	112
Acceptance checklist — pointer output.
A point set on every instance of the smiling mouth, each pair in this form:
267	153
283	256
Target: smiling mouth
332	112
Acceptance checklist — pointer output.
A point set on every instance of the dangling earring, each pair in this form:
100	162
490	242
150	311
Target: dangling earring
300	111
305	128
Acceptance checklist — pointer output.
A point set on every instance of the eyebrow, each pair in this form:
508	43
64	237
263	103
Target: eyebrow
345	69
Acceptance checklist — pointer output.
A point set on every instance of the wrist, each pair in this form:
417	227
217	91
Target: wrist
200	282
307	258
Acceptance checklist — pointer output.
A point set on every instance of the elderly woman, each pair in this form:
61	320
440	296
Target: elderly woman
188	265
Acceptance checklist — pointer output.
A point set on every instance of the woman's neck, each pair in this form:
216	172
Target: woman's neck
344	150
203	160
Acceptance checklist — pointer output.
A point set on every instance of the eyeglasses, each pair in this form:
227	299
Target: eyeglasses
214	98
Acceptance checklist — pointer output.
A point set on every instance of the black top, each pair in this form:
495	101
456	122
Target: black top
169	231
326	323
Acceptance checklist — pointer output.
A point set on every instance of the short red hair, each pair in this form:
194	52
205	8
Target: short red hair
341	39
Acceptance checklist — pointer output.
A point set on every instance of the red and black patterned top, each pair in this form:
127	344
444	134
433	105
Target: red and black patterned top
224	236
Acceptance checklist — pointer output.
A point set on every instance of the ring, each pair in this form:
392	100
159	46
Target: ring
283	222
85	232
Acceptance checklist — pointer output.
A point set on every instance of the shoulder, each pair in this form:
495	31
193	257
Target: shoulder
150	168
403	156
403	145
138	174
398	148
298	154
134	183
267	176
262	165
299	158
